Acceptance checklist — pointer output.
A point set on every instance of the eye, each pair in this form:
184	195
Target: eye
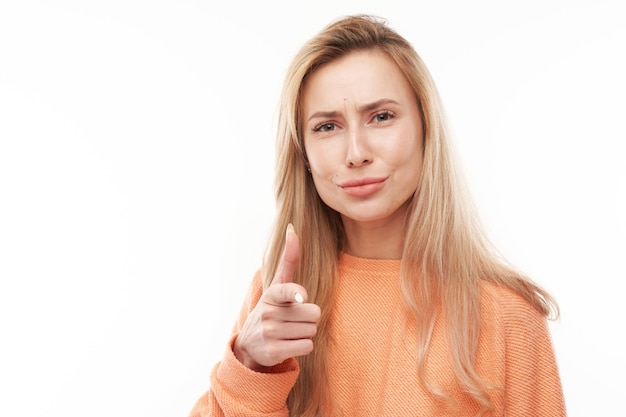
325	127
383	116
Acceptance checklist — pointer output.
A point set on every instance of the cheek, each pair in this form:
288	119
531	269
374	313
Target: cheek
324	183
408	155
416	164
409	163
323	176
319	161
316	167
318	170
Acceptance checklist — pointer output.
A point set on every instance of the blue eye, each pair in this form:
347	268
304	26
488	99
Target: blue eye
324	127
383	116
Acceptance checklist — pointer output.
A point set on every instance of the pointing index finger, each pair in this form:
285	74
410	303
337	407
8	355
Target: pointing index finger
290	257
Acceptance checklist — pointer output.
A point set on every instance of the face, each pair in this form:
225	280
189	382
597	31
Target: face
363	137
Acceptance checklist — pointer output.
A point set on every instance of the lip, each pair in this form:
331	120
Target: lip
362	187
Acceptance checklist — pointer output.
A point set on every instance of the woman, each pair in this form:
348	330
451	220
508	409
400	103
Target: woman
384	297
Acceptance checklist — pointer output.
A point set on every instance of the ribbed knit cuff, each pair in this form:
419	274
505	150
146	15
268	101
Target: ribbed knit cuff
243	390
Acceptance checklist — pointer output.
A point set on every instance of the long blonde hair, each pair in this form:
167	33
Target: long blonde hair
446	253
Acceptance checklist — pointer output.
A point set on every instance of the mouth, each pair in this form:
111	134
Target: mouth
362	187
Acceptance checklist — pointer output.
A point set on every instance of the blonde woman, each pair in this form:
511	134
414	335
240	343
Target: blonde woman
379	294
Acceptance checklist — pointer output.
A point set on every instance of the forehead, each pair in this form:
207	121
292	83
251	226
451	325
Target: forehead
360	76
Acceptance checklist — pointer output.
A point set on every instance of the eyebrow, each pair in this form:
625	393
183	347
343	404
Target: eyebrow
363	108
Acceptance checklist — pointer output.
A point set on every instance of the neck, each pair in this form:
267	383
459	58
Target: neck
374	240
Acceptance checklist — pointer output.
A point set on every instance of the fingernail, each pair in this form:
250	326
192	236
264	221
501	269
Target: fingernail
299	298
290	228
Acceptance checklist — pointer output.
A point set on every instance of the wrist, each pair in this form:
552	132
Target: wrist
246	360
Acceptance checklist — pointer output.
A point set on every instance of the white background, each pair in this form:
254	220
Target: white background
136	169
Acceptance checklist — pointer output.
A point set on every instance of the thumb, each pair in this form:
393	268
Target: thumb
290	257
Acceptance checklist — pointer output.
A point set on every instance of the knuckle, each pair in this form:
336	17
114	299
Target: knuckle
307	346
267	313
269	331
272	353
282	293
316	312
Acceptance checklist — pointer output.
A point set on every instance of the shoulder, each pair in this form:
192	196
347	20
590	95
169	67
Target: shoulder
508	308
509	317
517	348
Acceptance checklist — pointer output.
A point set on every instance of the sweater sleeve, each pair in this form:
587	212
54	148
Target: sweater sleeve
239	391
532	381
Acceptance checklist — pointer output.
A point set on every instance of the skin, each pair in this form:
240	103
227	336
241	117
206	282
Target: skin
362	123
363	138
280	326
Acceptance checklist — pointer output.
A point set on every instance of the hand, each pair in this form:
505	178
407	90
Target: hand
282	323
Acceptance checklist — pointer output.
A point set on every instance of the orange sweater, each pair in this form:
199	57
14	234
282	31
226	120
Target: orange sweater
372	356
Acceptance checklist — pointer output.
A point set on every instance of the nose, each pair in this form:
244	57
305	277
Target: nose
358	152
